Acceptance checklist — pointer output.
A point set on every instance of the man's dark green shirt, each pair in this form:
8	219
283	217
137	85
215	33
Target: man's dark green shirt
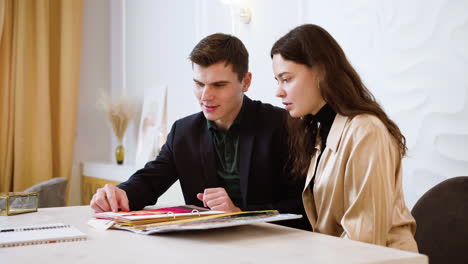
226	144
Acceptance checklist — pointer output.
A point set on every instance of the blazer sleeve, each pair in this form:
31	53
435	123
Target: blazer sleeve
146	185
288	189
369	182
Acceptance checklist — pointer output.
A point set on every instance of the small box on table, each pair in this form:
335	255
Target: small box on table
12	203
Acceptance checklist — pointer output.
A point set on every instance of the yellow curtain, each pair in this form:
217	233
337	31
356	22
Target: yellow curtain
2	16
40	48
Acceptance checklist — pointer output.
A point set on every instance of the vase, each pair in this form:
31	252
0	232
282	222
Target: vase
120	154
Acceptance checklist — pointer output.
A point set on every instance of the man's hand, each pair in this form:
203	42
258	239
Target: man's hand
217	199
109	198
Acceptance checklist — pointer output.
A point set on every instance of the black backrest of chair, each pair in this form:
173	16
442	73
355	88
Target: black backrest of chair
442	222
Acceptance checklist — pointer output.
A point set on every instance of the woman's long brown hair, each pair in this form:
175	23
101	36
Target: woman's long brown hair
341	88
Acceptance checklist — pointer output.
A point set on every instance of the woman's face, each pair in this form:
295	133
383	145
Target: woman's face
298	87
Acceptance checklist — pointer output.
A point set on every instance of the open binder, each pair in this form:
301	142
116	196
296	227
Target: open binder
181	218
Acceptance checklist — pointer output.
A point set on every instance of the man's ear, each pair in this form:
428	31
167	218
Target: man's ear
246	82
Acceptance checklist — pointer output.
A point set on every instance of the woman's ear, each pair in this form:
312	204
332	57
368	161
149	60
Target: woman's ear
321	73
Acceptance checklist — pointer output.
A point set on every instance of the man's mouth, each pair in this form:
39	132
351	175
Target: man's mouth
210	108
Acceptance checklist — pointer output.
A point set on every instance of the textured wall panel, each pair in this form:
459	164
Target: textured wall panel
413	55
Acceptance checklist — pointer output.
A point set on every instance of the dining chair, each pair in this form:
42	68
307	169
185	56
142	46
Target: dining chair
51	193
442	222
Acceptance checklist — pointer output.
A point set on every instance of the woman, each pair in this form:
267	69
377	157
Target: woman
343	140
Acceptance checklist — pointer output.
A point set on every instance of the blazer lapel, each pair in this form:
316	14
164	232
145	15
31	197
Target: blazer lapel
207	154
336	132
246	140
333	141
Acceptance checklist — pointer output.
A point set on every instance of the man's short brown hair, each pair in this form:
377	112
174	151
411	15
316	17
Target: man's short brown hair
222	47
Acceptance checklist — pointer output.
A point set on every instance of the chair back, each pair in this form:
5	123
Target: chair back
51	193
442	222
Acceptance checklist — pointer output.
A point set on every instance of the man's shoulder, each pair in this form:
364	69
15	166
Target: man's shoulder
191	121
266	111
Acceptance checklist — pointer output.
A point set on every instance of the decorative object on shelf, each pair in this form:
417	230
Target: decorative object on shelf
147	129
162	136
120	111
152	131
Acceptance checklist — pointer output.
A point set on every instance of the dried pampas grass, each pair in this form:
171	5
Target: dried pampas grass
120	111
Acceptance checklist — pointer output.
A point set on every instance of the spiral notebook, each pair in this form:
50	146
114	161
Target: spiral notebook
39	234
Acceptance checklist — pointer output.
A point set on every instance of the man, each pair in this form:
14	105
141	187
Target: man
230	157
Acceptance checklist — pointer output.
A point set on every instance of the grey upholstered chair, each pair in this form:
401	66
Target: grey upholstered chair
442	222
51	193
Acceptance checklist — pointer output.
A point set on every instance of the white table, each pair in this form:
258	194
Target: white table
259	243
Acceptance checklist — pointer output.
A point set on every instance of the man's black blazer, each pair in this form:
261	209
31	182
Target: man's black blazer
189	156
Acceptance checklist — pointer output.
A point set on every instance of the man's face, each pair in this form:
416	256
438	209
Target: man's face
219	92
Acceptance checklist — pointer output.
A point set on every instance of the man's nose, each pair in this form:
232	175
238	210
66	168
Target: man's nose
207	93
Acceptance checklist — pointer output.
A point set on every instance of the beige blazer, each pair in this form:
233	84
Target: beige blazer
358	186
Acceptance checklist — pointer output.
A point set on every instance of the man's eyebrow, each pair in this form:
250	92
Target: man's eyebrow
215	82
221	82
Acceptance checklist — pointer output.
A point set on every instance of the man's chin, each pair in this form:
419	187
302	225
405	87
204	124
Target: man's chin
210	116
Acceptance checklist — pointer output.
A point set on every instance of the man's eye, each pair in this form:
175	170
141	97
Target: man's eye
285	80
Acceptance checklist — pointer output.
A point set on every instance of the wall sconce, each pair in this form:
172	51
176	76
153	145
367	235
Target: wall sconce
245	15
239	7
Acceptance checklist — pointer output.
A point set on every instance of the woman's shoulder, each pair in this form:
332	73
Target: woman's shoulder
365	124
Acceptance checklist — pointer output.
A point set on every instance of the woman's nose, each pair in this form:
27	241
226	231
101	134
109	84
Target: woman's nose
280	92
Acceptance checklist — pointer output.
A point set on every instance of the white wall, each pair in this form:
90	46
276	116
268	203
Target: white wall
411	55
93	138
157	54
